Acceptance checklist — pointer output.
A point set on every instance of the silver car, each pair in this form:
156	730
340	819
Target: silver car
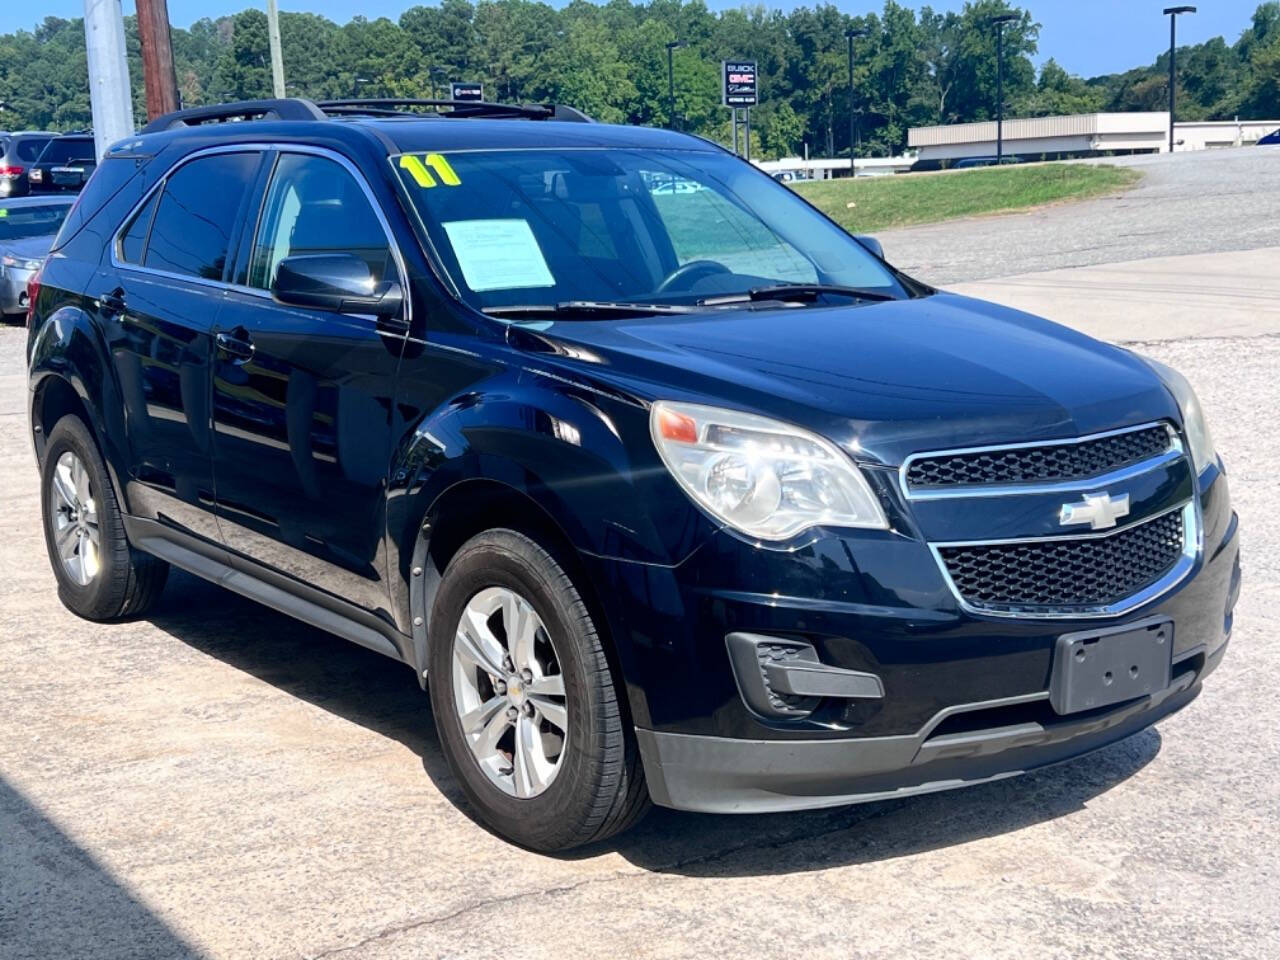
27	229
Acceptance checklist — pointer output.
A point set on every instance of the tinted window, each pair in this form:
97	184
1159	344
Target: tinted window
29	150
191	231
315	206
107	180
64	149
135	238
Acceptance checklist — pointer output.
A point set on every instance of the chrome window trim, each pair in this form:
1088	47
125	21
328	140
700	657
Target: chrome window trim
1192	537
260	147
969	491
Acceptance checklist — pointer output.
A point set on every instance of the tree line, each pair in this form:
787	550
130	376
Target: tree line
610	60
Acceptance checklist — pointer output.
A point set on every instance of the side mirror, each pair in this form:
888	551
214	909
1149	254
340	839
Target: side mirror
871	243
340	282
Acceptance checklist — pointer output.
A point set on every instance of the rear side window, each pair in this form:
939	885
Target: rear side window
191	230
314	206
134	239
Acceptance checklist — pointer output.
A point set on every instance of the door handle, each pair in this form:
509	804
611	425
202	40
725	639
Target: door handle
112	304
235	345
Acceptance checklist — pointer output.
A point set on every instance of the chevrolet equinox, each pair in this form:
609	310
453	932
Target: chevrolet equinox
667	488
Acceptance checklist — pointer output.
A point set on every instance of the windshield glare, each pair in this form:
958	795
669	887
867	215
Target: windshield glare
547	226
18	223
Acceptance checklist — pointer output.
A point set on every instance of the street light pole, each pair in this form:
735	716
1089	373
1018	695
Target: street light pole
853	118
1172	14
672	46
999	22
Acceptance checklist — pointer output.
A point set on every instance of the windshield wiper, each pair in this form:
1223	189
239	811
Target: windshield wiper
796	292
587	308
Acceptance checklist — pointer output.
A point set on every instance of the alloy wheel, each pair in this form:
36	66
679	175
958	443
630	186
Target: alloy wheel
74	514
508	692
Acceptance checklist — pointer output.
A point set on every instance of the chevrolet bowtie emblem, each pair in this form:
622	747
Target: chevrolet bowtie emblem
1100	511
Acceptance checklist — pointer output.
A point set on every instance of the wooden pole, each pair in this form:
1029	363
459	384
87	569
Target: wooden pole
158	75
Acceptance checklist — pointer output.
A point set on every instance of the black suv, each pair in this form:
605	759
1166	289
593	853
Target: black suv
66	163
665	486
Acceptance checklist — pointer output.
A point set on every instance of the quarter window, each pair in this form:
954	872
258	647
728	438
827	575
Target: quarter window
314	206
134	239
191	231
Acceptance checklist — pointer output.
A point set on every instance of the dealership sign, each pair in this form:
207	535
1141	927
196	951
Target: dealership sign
738	83
466	91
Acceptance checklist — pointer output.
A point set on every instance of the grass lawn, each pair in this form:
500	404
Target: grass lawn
873	203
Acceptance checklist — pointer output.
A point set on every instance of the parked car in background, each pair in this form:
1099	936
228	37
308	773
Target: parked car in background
27	229
18	151
66	163
1271	139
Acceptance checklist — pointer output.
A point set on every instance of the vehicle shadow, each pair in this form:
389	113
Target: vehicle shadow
369	689
56	900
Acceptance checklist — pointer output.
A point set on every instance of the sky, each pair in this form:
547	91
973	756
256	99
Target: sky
1087	37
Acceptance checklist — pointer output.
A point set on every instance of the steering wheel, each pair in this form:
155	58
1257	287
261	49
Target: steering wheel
685	276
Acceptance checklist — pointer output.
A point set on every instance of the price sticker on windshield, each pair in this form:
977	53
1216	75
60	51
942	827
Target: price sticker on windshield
429	169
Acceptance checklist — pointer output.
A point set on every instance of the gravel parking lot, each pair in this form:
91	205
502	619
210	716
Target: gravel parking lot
218	780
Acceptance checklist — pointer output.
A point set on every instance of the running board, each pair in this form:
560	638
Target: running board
292	597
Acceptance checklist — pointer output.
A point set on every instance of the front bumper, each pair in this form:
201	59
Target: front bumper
966	696
722	775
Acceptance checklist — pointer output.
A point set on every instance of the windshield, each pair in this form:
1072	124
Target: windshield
18	223
550	226
62	150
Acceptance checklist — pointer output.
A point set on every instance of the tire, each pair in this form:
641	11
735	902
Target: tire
597	788
113	581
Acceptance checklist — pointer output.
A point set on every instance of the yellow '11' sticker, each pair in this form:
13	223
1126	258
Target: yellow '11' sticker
417	167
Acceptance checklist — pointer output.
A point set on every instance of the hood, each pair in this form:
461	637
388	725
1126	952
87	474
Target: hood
28	248
887	379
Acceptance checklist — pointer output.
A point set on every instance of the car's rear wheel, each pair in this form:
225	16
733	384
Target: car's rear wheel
100	576
525	702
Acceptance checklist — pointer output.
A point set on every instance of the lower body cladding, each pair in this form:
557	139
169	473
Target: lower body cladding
861	678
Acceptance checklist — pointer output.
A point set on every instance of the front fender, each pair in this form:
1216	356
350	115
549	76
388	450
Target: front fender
582	457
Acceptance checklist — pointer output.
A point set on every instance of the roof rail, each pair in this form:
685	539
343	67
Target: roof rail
388	107
294	108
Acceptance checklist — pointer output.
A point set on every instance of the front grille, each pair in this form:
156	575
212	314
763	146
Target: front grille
1066	573
1050	463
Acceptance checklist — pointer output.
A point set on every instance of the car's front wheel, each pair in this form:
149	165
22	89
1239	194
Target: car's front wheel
100	576
524	699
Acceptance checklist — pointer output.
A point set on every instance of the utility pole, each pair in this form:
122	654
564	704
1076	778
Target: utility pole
671	83
999	22
273	38
158	75
1172	14
109	93
853	117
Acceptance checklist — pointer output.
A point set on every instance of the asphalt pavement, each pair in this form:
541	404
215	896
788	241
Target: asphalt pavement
217	780
1203	202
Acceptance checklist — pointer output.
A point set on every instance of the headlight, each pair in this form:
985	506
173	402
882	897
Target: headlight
19	264
764	478
1199	440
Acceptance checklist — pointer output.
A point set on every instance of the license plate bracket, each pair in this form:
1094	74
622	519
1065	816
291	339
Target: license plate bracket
1096	668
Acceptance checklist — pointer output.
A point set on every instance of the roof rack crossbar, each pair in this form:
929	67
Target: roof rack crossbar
291	108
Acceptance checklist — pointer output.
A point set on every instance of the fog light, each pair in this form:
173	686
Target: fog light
782	678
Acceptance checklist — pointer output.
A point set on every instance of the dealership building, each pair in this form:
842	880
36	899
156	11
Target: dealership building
1081	135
